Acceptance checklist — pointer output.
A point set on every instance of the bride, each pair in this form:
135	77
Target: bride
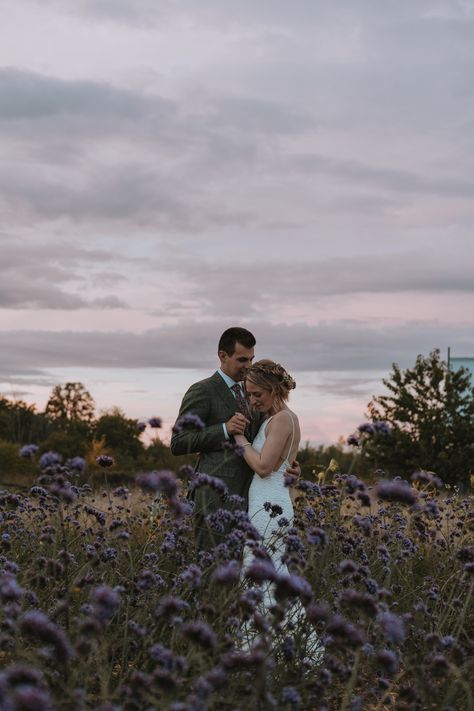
270	505
268	386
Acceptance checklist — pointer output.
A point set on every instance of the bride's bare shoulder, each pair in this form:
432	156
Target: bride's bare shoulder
285	416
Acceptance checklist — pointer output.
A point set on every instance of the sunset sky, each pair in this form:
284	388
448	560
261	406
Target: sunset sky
171	168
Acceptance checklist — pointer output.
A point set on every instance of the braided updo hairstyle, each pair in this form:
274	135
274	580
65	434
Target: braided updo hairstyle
273	377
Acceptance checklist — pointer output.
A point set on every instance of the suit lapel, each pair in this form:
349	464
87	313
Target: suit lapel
221	389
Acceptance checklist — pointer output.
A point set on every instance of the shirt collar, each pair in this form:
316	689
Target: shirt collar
227	379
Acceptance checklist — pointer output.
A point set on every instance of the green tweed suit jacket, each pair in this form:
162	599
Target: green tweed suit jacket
213	402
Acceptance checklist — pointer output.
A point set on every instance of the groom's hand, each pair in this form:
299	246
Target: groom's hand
294	469
236	424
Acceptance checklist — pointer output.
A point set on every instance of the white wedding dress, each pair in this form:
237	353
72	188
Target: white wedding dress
271	489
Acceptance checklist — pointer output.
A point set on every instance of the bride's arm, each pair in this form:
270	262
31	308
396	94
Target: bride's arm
266	461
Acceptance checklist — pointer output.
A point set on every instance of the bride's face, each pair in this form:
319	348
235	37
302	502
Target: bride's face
259	398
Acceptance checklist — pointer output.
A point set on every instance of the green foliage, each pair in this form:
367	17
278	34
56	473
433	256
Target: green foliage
10	462
431	410
120	434
70	405
315	460
69	444
159	456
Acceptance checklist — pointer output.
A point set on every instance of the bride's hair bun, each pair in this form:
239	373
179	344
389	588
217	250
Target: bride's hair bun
271	376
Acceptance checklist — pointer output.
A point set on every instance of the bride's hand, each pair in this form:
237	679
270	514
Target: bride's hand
240	439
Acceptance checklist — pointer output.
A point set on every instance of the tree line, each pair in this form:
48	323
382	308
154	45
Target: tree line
424	421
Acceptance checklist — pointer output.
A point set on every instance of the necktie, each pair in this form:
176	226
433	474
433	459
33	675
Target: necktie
241	402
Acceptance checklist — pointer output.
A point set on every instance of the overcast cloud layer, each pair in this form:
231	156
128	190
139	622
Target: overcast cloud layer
170	168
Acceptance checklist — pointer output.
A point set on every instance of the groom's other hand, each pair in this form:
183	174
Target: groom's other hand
294	469
236	424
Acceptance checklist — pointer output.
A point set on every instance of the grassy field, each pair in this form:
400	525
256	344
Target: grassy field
106	603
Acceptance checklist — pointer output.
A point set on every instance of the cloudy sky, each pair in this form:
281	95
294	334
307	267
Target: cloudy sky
170	168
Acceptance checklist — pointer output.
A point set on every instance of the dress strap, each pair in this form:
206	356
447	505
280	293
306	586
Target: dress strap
292	435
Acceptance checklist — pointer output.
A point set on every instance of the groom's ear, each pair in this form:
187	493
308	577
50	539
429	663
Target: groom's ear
222	355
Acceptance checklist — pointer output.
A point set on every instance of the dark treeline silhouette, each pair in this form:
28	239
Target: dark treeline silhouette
68	426
424	421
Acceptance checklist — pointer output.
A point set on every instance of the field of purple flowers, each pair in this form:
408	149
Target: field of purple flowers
106	604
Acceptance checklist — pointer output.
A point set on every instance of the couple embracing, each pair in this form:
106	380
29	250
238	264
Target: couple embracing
244	404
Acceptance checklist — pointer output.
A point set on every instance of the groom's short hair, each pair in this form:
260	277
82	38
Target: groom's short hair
235	335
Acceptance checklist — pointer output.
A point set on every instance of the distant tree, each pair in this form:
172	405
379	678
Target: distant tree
71	406
120	433
431	411
19	422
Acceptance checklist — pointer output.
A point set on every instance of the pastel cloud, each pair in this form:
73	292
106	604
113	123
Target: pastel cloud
303	168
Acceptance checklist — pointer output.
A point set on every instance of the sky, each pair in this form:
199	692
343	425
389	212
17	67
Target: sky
172	168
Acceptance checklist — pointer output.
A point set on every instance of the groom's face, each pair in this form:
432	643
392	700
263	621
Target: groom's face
235	365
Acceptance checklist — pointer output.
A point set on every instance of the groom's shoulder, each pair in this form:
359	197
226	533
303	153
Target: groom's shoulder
205	383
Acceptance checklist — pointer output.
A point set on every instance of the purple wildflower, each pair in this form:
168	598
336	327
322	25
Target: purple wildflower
166	659
28	451
188	422
169	606
343	632
105	602
200	633
392	627
237	501
206	480
164	482
155	422
293	586
360	601
77	463
318	612
121	492
347	567
237	449
396	490
291	696
10	590
439	665
366	428
241	660
19	675
50	459
38	625
136	629
353	440
186	472
191	576
141	426
261	570
353	484
290	479
424	477
104	461
228	573
38	491
317	536
382	427
23	689
388	660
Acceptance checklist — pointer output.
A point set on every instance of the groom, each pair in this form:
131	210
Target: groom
220	403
